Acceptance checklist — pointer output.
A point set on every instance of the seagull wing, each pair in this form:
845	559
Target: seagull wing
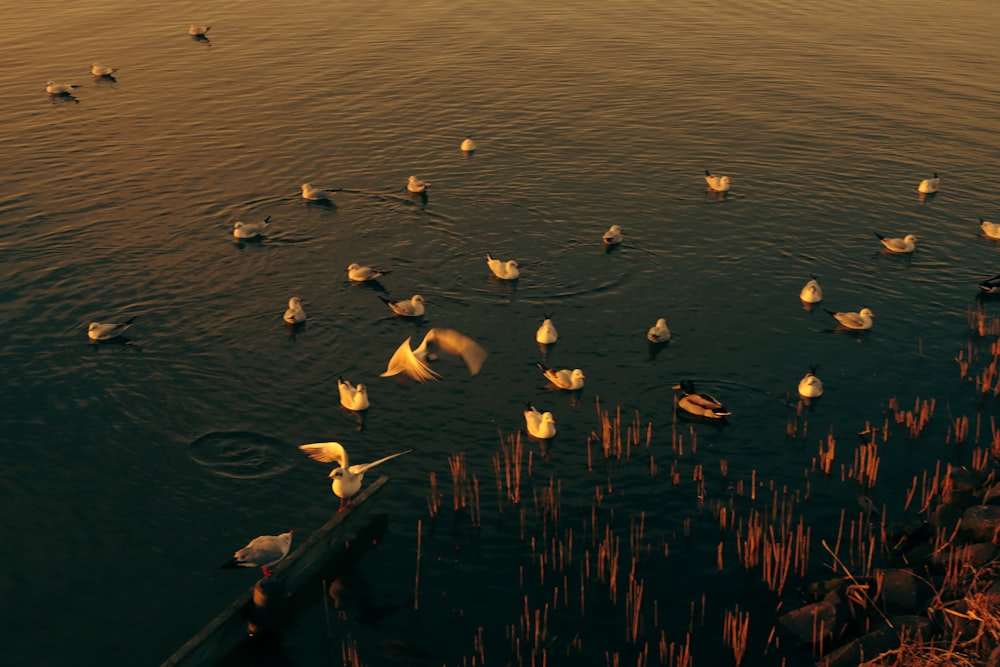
362	468
852	320
405	361
326	452
457	343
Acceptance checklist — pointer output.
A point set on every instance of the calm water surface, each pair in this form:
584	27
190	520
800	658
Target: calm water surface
129	471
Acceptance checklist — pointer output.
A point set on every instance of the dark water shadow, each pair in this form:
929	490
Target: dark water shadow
203	39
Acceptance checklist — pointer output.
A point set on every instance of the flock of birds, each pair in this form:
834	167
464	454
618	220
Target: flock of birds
266	551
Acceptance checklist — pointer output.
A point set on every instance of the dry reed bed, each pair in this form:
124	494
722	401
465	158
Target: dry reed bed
586	562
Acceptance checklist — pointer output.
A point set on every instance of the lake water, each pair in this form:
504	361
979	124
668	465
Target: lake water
129	471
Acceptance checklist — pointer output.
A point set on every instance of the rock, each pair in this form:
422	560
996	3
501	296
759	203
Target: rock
992	495
946	518
961	498
976	554
965	479
864	648
818	621
981	522
902	592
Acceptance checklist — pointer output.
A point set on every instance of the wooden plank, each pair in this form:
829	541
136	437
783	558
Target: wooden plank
224	633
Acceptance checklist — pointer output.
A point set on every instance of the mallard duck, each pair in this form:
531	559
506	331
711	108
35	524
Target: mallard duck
295	313
717	183
905	244
659	332
859	320
811	292
699	404
991	285
540	425
929	185
811	386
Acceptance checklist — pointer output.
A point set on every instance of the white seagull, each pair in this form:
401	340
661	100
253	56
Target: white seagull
717	183
810	386
413	362
503	270
659	332
346	478
98	69
850	320
53	88
547	334
990	229
196	30
414	184
315	194
468	145
613	236
903	245
295	313
359	274
541	425
250	230
352	397
412	307
564	378
811	292
264	552
108	330
929	185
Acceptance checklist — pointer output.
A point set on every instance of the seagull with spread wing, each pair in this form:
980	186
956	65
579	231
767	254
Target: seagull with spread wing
346	478
413	362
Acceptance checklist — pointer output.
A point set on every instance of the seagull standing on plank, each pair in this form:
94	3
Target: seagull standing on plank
264	552
346	478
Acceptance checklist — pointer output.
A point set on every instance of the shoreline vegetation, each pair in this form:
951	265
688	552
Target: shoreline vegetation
922	590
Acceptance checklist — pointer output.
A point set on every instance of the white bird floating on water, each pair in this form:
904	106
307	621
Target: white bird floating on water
811	386
346	478
811	292
613	236
903	245
659	332
412	307
468	145
53	88
352	397
858	321
717	183
991	285
413	362
108	330
563	378
359	274
929	185
414	184
250	230
264	552
315	194
990	229
295	313
198	30
503	270
541	425
546	334
98	69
